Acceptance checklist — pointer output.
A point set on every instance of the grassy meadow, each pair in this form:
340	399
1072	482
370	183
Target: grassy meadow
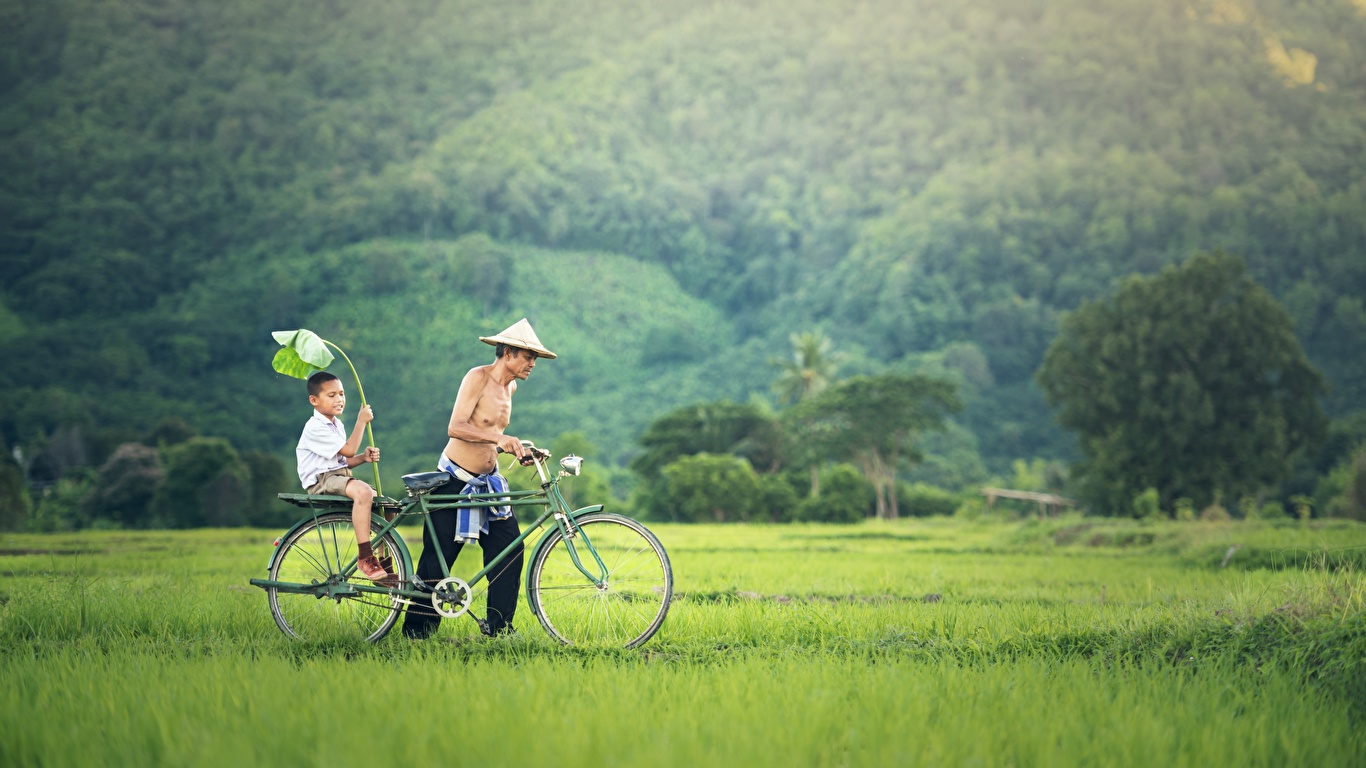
933	642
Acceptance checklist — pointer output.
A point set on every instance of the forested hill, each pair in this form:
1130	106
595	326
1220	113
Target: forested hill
667	189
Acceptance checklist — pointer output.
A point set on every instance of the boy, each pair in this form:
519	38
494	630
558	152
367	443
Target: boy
326	456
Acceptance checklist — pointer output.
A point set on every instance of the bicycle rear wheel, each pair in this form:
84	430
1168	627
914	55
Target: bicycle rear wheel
314	554
631	603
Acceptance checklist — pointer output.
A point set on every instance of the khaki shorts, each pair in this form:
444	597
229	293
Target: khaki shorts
332	482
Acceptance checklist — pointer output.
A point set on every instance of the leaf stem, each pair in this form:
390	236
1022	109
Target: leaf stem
369	433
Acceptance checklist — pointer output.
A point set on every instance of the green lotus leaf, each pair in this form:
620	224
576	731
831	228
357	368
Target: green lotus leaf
287	362
304	353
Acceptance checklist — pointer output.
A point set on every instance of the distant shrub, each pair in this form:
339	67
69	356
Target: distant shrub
268	479
14	503
127	482
922	500
1272	510
169	431
776	500
1342	492
969	509
1147	505
61	506
1184	509
1356	489
1215	513
206	484
705	487
846	497
1303	506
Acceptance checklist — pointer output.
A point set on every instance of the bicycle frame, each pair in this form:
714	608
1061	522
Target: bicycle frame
548	496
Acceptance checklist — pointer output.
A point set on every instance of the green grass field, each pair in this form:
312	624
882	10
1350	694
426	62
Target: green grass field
1069	642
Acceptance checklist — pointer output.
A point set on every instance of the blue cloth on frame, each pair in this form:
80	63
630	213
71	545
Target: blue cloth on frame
469	523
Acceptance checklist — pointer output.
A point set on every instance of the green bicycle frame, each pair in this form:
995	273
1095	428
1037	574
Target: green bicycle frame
548	496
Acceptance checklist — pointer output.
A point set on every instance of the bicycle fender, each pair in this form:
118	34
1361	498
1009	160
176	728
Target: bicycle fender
376	522
541	544
586	510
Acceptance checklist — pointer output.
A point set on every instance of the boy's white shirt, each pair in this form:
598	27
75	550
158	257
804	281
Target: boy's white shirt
319	448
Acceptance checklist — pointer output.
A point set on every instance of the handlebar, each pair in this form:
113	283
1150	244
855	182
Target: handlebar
536	456
533	454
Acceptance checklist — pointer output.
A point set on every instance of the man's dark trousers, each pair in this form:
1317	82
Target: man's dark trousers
421	620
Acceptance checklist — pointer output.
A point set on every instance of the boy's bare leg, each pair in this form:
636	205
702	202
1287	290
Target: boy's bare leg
362	495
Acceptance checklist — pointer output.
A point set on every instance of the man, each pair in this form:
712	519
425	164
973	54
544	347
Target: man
483	409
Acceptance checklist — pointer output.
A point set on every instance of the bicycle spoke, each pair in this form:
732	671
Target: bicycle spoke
623	611
318	567
643	564
310	554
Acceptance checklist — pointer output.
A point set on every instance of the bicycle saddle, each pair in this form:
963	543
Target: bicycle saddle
425	481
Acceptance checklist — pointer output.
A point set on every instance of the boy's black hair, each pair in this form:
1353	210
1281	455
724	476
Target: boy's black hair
501	349
316	382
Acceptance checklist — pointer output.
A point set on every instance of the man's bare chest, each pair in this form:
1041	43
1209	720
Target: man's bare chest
494	410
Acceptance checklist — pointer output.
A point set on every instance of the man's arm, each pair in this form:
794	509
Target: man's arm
462	428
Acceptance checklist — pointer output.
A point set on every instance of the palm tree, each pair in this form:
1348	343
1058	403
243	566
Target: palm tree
810	370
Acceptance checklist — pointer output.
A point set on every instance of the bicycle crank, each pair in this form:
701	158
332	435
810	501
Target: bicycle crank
451	597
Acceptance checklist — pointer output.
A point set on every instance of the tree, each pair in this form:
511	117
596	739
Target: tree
169	431
61	506
808	373
164	202
706	487
1354	499
720	427
590	487
206	484
810	370
14	502
1342	491
847	499
269	477
875	419
126	485
1190	381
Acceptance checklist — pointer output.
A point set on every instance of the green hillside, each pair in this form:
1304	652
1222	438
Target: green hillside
668	190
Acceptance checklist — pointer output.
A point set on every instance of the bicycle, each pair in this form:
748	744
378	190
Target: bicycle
594	577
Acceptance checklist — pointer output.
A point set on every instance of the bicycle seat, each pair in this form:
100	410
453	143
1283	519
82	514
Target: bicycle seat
425	481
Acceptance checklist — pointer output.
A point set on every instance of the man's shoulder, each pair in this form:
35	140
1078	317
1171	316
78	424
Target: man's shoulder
479	374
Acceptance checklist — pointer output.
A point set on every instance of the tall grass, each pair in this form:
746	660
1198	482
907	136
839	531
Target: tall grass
143	708
922	642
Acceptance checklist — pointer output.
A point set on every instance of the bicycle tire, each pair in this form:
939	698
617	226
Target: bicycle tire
632	604
315	553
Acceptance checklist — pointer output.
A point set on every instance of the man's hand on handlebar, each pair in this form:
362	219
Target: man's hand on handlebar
532	454
510	444
525	452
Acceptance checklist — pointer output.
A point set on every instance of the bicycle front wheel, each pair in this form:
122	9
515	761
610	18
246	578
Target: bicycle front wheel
315	554
629	604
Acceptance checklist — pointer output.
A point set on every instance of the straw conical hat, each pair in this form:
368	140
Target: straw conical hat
519	334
